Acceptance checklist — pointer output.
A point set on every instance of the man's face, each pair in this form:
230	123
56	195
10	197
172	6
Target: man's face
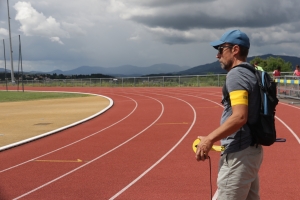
225	56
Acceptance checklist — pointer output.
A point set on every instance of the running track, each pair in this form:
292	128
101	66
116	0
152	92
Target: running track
141	148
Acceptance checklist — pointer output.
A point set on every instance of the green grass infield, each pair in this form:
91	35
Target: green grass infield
11	96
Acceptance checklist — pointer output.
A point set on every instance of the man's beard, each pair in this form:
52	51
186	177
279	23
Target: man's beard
226	65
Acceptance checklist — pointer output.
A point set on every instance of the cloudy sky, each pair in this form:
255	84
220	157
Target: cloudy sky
58	34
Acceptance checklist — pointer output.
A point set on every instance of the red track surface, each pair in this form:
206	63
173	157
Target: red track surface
141	148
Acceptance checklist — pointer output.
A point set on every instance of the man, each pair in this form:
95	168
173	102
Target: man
258	67
241	159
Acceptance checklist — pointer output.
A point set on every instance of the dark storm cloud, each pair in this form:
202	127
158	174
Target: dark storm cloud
202	20
162	3
176	40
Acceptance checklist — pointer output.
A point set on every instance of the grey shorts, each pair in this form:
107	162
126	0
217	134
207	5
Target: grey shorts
238	174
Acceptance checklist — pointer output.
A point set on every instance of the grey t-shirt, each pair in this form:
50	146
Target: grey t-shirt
240	78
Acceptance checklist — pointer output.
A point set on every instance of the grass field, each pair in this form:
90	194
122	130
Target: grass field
10	96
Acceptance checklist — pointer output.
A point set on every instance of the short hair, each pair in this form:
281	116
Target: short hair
244	52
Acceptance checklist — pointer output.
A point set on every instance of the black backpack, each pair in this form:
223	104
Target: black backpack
263	131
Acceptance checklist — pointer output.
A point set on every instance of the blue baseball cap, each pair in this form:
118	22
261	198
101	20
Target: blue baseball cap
234	37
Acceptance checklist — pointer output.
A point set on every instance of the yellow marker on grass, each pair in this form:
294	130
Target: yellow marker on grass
213	148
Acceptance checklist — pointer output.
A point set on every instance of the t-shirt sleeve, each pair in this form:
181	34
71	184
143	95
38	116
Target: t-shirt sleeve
238	86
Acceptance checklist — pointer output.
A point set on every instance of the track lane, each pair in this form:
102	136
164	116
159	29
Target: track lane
280	160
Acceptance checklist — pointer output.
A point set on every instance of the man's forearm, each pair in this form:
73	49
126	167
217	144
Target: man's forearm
231	125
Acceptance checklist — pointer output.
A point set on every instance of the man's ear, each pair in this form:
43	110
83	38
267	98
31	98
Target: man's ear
235	49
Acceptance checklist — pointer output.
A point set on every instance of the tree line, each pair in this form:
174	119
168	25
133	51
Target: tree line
27	76
271	63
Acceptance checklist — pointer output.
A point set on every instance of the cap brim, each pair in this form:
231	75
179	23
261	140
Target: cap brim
217	43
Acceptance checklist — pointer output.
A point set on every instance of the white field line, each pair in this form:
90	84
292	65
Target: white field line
70	172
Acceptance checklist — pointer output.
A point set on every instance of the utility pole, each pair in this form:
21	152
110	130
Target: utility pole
11	51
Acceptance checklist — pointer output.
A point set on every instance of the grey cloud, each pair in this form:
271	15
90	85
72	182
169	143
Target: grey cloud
203	20
163	3
176	40
274	16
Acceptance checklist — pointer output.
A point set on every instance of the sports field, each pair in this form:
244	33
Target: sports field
141	148
26	115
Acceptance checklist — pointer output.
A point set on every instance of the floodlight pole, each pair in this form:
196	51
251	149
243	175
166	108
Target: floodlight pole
11	56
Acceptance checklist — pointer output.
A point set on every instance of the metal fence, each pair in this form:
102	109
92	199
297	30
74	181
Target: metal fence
287	85
157	81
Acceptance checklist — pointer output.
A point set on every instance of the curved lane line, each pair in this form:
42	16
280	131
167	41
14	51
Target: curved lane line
163	157
75	141
291	131
70	172
62	128
290	105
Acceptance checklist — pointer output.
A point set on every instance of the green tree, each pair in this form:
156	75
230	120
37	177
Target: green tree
271	63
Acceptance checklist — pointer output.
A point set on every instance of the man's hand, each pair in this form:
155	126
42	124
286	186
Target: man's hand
203	148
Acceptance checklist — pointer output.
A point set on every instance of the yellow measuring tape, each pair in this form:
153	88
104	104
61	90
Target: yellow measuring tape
213	148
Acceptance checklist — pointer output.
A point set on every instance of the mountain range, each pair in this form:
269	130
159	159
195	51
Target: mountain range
157	69
216	68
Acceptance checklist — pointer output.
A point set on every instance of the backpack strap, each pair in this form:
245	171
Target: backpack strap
225	94
260	83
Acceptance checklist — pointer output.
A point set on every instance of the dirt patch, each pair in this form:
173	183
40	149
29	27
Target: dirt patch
23	120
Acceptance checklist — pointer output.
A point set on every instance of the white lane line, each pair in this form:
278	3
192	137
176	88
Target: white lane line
70	172
162	158
61	128
291	131
296	107
215	195
73	142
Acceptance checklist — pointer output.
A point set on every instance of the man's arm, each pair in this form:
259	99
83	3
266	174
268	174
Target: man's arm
232	124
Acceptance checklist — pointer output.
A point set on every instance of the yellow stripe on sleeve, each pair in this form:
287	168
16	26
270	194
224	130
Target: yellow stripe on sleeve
239	97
